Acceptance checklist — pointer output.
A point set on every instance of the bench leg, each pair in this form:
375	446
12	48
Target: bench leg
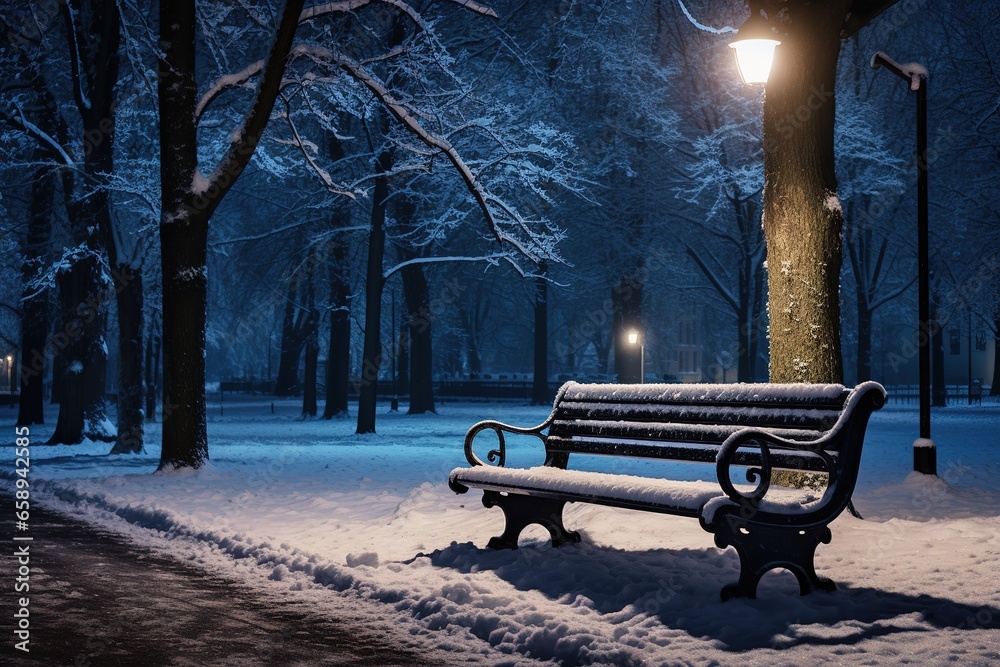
521	511
764	548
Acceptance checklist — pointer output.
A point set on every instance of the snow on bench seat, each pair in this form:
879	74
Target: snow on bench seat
656	495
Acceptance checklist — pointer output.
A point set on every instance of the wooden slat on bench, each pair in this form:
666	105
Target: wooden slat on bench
739	395
693	452
665	432
819	418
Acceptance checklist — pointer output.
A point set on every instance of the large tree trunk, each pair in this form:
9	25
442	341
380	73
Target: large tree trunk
92	28
338	358
626	300
372	352
540	380
802	216
183	249
35	301
131	411
417	296
187	206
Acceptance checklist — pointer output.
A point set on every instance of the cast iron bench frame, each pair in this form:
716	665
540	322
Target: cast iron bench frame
763	427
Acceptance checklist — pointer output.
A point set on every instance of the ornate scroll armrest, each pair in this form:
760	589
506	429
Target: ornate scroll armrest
761	476
499	455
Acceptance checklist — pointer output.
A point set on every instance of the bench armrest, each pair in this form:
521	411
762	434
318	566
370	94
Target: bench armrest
500	454
765	442
871	393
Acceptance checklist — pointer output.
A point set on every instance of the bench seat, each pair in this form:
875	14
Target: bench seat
683	498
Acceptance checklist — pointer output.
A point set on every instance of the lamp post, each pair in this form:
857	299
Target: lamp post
635	339
924	451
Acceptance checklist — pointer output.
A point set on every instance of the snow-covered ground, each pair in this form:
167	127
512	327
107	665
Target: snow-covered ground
308	509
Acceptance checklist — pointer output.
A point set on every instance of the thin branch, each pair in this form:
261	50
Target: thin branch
492	259
701	26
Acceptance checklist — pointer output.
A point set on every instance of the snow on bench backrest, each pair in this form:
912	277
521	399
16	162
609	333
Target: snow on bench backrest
589	415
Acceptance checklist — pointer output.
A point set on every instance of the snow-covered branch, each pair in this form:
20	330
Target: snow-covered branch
725	30
492	258
40	134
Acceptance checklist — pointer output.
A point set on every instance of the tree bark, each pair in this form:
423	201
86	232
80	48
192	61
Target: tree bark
802	217
416	294
540	379
372	353
34	301
338	358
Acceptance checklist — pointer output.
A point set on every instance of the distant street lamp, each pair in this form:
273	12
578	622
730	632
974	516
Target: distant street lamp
754	45
924	451
10	374
634	338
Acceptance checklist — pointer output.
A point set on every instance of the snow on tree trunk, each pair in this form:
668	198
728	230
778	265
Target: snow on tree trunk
372	352
35	302
802	216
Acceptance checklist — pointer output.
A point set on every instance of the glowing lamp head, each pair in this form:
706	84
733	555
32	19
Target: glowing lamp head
633	337
754	46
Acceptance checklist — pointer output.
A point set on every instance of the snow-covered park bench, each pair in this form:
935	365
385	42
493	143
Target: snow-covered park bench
751	430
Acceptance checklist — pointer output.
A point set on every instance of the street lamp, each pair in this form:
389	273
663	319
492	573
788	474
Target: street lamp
754	45
924	451
10	374
635	339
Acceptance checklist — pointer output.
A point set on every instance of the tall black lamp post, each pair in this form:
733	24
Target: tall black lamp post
924	451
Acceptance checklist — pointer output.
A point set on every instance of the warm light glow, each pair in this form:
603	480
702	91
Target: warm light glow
9	358
633	337
754	58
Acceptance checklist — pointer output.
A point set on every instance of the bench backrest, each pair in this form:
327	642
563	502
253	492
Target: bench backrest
688	422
